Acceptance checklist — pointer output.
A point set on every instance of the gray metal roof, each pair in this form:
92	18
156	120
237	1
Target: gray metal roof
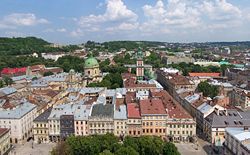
102	110
121	112
79	110
205	107
44	116
18	112
232	118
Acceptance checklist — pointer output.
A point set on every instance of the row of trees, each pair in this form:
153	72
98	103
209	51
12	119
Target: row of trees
190	67
110	145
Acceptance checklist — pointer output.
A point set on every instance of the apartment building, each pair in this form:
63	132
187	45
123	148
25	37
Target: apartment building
134	123
216	123
101	119
237	141
41	127
19	120
120	121
154	116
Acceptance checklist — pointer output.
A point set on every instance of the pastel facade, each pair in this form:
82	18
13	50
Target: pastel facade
19	120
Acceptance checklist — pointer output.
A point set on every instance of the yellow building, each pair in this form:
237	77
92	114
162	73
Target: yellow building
154	116
4	140
41	127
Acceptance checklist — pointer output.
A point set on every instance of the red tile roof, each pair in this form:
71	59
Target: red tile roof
133	111
13	70
204	74
175	110
152	106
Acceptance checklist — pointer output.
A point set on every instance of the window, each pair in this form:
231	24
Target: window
156	130
151	130
170	132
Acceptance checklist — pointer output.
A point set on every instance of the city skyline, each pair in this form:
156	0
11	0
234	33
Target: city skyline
104	20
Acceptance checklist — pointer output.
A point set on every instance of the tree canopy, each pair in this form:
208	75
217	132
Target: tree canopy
207	89
109	145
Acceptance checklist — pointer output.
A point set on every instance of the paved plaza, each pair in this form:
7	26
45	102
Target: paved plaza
26	149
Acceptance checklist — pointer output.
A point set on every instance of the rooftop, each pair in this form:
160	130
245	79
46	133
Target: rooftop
19	111
240	134
133	110
152	107
121	112
3	131
44	116
102	110
204	74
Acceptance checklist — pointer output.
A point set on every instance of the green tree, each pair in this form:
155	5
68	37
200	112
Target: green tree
48	73
106	152
1	83
8	81
207	89
170	149
126	151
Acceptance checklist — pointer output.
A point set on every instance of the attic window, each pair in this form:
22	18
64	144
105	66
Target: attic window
235	114
226	122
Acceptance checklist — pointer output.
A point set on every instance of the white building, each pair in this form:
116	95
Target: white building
237	141
19	120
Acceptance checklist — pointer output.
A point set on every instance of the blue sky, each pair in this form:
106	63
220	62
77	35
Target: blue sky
76	21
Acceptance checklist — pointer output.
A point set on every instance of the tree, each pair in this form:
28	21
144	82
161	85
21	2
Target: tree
1	83
126	151
48	73
8	81
170	149
106	152
207	89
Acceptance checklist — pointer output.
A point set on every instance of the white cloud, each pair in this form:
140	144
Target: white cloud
61	30
21	19
116	17
77	33
192	15
165	18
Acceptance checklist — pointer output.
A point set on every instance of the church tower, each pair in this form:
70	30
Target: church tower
139	65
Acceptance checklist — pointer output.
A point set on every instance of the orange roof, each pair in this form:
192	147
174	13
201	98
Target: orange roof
133	111
152	107
204	74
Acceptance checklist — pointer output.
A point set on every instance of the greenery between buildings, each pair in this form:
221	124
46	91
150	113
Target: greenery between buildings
207	89
110	145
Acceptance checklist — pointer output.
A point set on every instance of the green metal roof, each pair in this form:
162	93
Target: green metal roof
91	62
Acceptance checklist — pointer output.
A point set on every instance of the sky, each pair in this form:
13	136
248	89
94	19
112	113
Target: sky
77	21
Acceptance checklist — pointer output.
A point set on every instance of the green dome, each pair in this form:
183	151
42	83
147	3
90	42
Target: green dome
91	62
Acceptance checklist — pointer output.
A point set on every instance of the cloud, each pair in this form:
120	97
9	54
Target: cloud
61	30
77	33
116	17
163	18
21	19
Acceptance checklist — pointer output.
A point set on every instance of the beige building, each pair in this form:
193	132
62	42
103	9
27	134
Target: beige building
134	123
19	120
41	127
154	116
4	140
120	121
101	119
237	141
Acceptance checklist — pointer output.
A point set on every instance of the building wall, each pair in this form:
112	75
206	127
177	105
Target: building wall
100	125
21	128
120	127
234	147
81	128
54	130
5	142
134	127
154	125
41	132
181	130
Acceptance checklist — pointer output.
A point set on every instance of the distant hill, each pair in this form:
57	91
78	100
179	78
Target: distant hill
21	46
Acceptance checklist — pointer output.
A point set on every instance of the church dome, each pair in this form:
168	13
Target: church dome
91	62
